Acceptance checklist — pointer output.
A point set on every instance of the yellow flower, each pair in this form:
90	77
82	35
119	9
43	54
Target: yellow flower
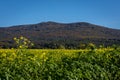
15	38
25	42
4	54
20	46
21	37
32	59
17	41
12	48
45	58
14	54
10	59
44	53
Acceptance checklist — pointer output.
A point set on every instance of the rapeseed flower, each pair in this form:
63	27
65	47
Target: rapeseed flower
20	47
21	37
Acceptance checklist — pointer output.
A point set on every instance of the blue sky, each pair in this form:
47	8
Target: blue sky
100	12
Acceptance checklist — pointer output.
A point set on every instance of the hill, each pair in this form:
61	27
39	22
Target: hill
53	34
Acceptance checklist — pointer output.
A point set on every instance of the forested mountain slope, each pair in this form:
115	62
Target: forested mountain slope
53	34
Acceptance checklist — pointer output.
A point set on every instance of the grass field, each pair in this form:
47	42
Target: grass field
59	64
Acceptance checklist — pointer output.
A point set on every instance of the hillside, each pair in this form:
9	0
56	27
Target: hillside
53	34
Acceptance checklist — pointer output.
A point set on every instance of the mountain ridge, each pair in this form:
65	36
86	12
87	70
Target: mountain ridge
47	34
53	22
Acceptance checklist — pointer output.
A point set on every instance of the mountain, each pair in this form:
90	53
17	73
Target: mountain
52	34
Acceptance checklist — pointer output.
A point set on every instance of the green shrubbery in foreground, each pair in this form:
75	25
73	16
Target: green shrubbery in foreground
59	64
28	64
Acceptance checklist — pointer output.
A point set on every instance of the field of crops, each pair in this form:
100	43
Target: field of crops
59	64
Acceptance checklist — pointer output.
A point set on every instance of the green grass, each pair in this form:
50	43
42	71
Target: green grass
59	64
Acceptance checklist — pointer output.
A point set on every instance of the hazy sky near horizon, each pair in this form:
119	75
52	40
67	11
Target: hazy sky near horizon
100	12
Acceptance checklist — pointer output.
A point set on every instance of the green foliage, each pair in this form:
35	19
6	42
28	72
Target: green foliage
91	46
101	64
61	64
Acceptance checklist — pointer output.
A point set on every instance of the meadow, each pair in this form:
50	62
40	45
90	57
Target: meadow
91	63
60	64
